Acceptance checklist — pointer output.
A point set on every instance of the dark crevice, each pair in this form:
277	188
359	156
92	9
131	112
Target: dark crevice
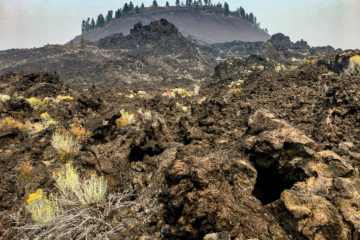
137	153
270	184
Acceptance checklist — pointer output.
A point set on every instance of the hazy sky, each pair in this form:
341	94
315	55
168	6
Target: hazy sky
29	23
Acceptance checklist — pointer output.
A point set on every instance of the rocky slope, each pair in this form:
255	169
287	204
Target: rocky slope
153	53
257	153
279	47
206	24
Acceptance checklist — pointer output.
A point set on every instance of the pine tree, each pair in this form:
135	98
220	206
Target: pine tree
226	7
131	6
100	22
155	5
219	5
251	18
125	8
87	25
83	24
177	3
142	6
167	4
242	12
188	2
137	9
118	13
206	2
92	26
109	16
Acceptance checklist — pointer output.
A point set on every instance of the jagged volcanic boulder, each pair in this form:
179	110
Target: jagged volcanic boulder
320	189
158	38
280	41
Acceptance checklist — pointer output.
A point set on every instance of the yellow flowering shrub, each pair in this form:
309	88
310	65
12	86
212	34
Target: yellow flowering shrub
4	97
354	65
87	192
61	97
125	119
65	144
38	103
43	209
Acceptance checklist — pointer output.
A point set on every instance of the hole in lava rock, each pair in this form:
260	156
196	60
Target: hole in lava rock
137	154
270	184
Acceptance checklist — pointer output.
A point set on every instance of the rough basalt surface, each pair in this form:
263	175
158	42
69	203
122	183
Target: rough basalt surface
253	154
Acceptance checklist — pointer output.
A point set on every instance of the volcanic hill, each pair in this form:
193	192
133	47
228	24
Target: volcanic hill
204	24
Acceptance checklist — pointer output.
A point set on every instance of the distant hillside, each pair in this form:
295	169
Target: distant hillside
204	24
152	53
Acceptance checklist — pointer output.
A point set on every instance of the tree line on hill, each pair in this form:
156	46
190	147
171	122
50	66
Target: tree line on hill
102	20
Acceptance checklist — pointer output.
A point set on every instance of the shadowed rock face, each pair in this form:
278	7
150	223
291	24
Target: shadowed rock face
209	25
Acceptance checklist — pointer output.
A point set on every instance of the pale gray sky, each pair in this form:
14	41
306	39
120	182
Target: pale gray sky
29	23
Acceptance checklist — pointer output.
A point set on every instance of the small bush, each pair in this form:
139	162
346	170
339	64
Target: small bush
268	45
65	145
69	183
125	119
9	122
235	91
26	170
42	209
354	65
38	103
201	100
4	98
169	94
280	68
309	61
183	93
61	97
81	134
145	114
293	68
81	210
